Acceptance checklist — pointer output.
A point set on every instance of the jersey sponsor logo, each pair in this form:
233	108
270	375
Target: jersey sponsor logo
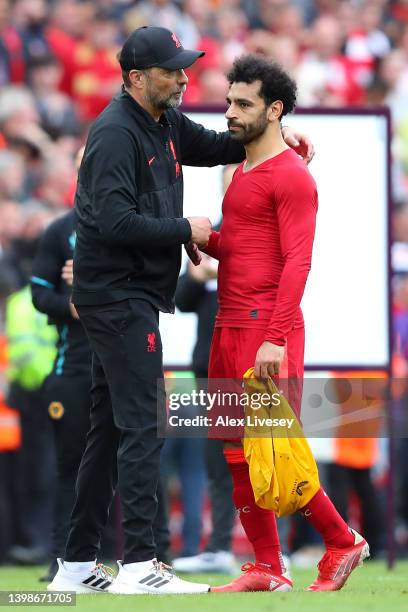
56	410
151	342
253	314
176	40
151	160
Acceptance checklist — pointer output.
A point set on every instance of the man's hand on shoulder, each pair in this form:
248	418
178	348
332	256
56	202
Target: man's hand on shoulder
268	360
299	142
200	230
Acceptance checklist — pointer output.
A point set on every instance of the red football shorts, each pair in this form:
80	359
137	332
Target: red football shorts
233	351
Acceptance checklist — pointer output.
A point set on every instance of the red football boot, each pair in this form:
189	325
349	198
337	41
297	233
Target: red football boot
338	563
255	578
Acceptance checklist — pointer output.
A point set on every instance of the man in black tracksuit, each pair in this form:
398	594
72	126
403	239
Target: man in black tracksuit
67	388
129	203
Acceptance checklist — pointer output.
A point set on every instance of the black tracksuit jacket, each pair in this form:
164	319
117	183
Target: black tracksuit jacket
51	295
129	202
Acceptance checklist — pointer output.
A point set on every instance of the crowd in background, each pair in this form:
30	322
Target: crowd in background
58	69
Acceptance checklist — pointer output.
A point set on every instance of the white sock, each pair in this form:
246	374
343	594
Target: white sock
79	566
141	566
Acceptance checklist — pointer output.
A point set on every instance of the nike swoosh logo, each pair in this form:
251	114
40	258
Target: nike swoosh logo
151	160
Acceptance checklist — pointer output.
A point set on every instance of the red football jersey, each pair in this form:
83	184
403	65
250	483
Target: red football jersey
265	246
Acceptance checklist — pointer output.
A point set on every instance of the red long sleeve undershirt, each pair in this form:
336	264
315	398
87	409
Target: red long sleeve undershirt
265	246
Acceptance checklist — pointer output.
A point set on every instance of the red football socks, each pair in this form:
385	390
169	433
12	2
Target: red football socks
259	524
321	513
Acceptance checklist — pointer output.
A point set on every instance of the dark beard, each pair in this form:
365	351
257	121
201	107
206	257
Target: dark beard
251	131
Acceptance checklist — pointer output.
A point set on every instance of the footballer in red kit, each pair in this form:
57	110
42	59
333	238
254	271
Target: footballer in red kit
264	250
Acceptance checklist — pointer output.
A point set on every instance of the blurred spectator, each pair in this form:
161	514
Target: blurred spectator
11	214
393	70
12	219
399	10
67	22
367	43
95	70
214	87
325	76
12	65
283	19
166	14
30	17
56	110
21	130
17	111
230	27
55	182
199	11
285	52
260	41
17	257
31	350
12	175
400	229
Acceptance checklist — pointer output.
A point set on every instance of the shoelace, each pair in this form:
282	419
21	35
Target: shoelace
103	571
328	565
250	567
163	569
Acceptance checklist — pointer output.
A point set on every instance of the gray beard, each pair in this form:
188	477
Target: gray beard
167	104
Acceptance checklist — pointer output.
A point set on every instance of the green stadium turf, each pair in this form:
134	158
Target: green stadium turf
370	588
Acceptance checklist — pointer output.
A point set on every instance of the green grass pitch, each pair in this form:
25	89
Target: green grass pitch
370	588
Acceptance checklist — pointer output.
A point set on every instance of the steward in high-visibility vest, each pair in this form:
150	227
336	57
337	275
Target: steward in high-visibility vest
31	341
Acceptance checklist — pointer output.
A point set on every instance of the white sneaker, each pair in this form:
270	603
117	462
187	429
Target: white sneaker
156	578
96	580
222	562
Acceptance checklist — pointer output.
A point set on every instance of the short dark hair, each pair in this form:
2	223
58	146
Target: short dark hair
276	84
125	73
